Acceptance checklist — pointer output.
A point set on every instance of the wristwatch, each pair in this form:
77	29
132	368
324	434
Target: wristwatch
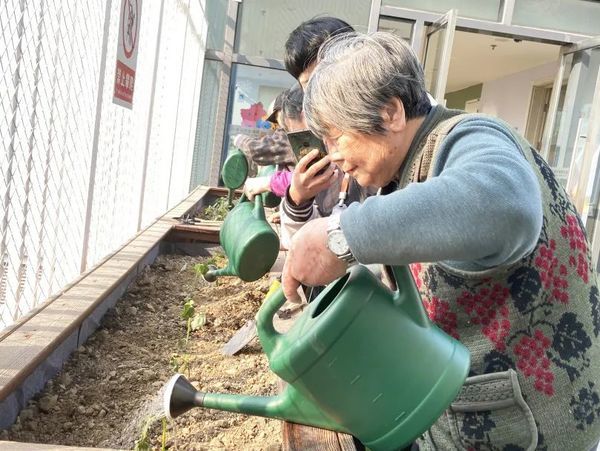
336	241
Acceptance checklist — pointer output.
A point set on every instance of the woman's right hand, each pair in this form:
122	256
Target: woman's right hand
306	182
256	185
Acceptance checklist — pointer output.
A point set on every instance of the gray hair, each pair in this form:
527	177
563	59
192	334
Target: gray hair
356	76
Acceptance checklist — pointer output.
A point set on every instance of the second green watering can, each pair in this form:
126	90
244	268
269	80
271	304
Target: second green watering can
361	359
250	243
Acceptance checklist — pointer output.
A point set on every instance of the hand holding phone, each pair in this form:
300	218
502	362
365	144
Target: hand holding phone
303	142
307	184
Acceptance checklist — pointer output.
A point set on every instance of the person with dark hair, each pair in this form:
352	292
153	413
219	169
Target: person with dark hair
497	249
314	189
304	42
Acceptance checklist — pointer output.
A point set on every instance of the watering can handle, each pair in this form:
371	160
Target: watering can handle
408	295
264	320
259	211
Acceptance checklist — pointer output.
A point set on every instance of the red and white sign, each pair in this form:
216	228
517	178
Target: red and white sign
129	32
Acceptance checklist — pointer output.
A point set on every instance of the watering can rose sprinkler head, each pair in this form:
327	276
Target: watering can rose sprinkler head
210	275
179	397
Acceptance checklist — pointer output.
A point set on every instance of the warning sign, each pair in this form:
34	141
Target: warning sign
129	31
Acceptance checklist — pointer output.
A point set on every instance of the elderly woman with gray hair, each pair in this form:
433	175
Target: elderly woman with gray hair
496	248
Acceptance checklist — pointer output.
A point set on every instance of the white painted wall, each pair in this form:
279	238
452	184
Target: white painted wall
508	97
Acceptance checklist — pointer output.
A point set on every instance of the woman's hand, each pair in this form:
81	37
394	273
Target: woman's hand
256	185
306	184
309	260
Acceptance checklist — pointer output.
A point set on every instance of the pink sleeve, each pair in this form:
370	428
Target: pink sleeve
280	181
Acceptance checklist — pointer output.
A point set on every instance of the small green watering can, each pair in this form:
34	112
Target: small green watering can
235	169
361	359
250	243
234	172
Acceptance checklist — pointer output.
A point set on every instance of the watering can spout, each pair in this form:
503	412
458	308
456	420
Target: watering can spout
181	396
212	273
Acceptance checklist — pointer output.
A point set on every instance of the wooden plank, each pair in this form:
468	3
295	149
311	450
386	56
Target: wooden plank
297	437
18	446
347	443
195	233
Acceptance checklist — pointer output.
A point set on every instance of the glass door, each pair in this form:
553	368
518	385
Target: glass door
436	57
571	142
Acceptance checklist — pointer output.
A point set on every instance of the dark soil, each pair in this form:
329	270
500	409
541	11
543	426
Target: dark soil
111	385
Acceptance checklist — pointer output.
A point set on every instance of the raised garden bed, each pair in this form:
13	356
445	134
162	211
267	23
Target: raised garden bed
103	395
203	224
107	392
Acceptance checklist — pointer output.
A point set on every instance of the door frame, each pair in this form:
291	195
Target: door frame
565	51
447	24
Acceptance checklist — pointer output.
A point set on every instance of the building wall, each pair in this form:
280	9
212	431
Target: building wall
79	174
457	99
509	97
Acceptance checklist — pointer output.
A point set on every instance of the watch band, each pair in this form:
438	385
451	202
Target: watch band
348	258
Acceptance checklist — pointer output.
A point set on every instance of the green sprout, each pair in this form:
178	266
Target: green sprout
143	442
163	441
180	363
216	211
202	268
194	320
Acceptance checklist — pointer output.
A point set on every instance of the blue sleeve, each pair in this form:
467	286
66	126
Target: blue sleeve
481	209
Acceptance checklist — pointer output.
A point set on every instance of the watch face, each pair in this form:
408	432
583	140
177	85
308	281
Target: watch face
337	242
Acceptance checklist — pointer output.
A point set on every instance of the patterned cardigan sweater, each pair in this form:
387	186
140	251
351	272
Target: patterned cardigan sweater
532	329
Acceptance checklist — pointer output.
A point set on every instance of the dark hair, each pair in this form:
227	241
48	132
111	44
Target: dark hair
303	43
292	103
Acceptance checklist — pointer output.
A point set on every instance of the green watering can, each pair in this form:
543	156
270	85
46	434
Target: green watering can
249	242
361	359
235	169
235	172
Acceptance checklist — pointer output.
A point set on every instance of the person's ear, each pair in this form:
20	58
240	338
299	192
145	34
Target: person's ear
394	117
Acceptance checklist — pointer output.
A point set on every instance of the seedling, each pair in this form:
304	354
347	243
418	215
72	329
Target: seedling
143	443
202	268
163	441
216	211
180	363
194	320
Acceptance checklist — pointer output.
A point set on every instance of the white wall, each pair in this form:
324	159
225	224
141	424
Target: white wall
508	97
72	163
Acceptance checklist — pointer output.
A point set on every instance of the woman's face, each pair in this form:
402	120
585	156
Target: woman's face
373	160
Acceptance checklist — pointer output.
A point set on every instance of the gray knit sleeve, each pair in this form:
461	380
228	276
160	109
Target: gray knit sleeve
482	208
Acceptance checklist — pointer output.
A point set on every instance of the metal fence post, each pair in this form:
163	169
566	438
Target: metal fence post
178	102
11	156
150	115
90	197
224	81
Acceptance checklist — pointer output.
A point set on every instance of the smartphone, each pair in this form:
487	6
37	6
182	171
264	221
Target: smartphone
303	142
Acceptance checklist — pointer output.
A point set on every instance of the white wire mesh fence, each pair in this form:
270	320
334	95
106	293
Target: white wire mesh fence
69	153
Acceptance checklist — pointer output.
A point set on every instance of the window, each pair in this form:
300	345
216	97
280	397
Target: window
264	25
254	88
474	9
399	27
216	15
205	128
578	16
